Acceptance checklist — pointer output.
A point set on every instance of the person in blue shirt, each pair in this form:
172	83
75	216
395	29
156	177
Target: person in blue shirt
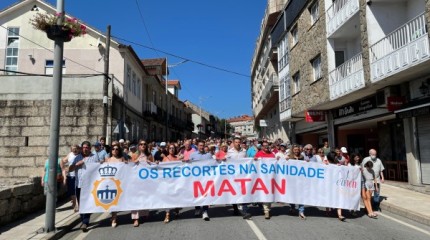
252	150
99	152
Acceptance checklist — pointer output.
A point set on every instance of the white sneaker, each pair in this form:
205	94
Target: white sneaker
205	216
197	212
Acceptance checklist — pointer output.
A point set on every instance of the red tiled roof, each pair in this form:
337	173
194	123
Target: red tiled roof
240	118
153	61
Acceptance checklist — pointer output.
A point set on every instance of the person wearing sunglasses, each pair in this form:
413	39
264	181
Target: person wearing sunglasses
116	157
171	157
144	157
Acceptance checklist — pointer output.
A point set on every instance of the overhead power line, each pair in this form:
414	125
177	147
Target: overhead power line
183	58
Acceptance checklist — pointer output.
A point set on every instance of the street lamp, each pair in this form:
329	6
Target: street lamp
167	95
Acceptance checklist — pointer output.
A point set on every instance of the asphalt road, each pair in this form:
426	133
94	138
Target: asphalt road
223	225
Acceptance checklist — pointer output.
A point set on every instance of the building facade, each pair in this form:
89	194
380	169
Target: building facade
243	126
353	75
264	78
138	105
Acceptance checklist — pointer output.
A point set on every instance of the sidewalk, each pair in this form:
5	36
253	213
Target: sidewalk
407	203
32	226
401	201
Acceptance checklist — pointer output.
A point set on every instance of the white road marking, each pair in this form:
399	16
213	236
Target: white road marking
405	223
256	230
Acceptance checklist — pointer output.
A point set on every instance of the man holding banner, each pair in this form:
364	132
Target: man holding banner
265	153
79	167
197	156
238	153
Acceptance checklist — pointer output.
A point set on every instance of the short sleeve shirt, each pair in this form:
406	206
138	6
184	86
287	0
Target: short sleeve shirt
80	170
378	167
200	156
234	154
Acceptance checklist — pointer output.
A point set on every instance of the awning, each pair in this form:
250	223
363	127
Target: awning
412	108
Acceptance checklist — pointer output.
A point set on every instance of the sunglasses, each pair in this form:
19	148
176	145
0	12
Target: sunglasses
142	144
115	149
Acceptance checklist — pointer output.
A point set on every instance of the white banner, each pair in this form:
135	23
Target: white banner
124	187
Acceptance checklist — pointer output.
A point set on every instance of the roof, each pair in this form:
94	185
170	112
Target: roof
174	83
153	61
242	118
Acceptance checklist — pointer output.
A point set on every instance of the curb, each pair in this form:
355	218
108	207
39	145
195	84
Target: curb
65	228
415	216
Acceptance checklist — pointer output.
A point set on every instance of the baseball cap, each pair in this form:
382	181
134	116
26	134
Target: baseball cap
343	149
132	146
121	140
162	144
283	145
97	144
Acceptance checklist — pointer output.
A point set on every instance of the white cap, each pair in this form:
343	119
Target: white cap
121	141
343	149
162	144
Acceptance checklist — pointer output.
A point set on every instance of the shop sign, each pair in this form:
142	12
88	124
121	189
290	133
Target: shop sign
314	116
395	103
356	107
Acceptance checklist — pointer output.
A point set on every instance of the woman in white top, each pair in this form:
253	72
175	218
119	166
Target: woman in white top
321	157
69	177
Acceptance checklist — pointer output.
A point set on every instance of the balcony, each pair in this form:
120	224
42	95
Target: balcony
285	109
150	107
403	48
339	13
347	78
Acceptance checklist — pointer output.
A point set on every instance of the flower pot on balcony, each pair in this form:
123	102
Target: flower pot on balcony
57	32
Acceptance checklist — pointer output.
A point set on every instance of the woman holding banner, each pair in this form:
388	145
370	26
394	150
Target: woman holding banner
145	157
171	157
116	157
333	158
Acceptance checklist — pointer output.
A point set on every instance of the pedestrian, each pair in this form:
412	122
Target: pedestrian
370	185
356	162
70	176
297	155
222	153
282	153
345	155
116	157
326	148
321	156
252	150
237	152
378	168
185	155
145	157
161	152
262	154
200	154
171	157
79	166
100	152
308	154
332	159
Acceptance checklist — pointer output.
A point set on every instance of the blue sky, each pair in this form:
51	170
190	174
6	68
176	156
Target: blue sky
218	33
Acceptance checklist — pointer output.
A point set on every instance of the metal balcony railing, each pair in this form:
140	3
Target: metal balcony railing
347	78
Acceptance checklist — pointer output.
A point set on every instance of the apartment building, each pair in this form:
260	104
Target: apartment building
352	73
243	126
264	78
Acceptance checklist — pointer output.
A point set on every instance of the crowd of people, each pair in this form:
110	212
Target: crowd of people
72	168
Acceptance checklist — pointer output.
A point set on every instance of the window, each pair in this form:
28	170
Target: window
316	66
12	50
133	86
314	11
296	82
294	35
49	67
138	88
283	52
128	77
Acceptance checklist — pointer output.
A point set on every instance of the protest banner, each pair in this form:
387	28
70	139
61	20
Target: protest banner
124	187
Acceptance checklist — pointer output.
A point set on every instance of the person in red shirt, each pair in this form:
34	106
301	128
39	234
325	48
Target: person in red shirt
222	153
265	153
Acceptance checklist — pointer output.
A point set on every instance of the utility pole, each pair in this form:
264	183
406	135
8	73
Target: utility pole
51	195
106	83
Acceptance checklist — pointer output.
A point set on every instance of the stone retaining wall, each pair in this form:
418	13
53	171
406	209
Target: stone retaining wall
24	132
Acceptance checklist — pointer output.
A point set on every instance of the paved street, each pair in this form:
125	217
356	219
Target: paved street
282	226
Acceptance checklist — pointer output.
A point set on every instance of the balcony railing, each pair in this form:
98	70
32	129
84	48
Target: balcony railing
339	13
406	46
347	78
150	107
